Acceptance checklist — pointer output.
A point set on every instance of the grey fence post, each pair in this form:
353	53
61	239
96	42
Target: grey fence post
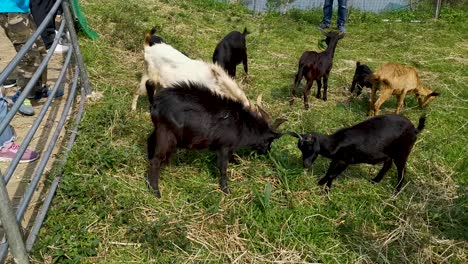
437	8
11	227
76	47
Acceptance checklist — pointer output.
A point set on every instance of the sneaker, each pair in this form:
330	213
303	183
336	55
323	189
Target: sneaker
323	26
341	28
26	108
9	151
45	92
60	49
9	83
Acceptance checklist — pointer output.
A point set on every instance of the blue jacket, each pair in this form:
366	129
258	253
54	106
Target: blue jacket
14	6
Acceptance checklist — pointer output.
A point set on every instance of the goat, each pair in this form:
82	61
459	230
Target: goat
384	138
190	115
165	66
396	79
316	66
361	75
231	51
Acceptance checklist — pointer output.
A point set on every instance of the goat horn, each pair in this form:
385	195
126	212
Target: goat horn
262	111
295	134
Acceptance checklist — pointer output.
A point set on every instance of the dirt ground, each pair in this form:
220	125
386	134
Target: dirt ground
19	182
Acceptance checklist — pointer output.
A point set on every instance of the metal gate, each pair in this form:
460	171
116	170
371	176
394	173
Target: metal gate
73	72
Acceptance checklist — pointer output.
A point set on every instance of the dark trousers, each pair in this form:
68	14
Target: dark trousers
39	10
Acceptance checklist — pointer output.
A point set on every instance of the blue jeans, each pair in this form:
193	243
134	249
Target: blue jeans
7	136
328	11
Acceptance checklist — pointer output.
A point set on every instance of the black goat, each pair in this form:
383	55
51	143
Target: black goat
360	78
315	66
384	138
189	115
231	51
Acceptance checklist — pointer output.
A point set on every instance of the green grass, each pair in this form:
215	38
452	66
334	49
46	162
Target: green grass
104	213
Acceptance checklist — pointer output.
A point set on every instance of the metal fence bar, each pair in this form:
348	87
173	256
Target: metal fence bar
41	216
11	227
74	42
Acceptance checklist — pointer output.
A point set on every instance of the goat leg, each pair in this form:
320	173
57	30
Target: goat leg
387	165
153	175
325	87
319	89
223	158
335	168
307	93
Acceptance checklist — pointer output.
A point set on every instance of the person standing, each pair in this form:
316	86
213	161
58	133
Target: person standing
328	11
16	20
39	11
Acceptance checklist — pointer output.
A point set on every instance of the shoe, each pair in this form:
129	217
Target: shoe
60	49
341	28
323	26
26	108
9	151
45	92
9	83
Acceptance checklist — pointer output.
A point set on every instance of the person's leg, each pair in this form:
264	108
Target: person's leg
327	12
342	12
18	28
39	10
8	135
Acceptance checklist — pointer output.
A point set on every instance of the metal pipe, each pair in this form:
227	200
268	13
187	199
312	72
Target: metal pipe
11	227
42	214
74	42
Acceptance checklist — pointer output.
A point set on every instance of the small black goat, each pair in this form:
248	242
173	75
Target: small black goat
189	115
231	51
360	78
315	66
384	138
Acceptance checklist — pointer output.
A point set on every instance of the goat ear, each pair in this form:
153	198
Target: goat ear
278	122
295	134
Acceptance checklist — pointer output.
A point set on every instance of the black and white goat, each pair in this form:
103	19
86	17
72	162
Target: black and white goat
190	115
361	75
385	138
231	51
166	66
316	66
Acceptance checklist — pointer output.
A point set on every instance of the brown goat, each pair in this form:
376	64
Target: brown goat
396	79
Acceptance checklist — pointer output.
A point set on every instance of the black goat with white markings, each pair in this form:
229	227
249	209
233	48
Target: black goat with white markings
383	138
189	115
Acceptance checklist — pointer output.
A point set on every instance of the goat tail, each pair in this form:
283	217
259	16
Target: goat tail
421	124
246	32
358	63
299	75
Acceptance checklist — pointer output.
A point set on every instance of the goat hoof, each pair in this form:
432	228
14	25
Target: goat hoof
291	102
225	190
318	96
324	98
157	193
306	107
